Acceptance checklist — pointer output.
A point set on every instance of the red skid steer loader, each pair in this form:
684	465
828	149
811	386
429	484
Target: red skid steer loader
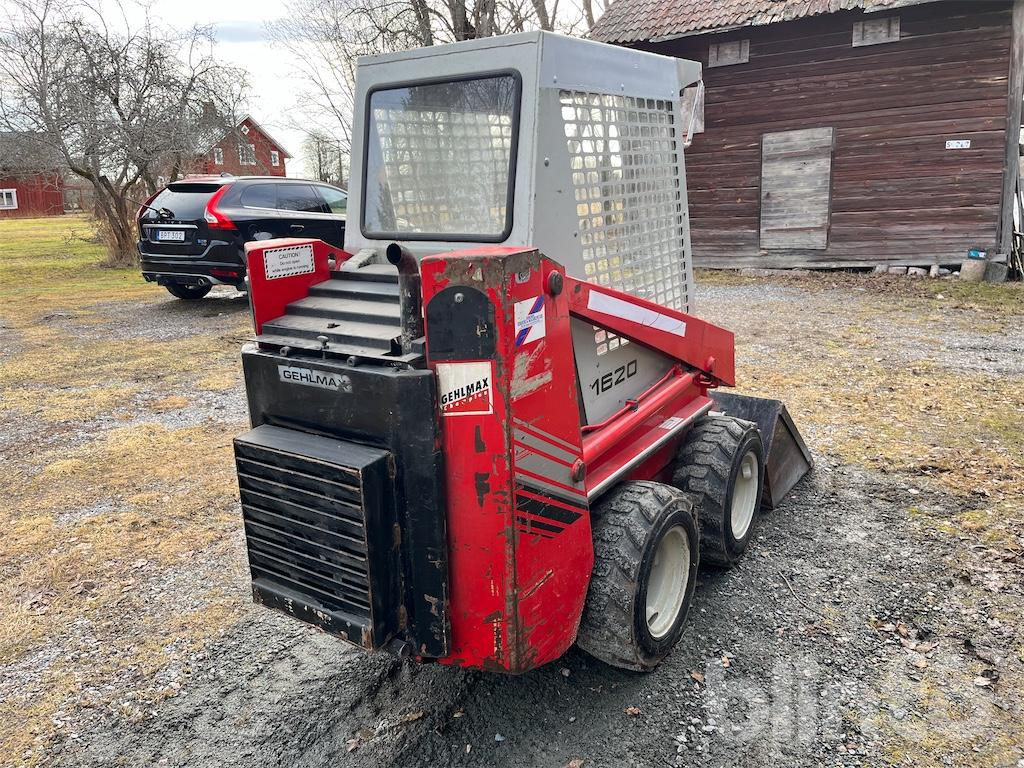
485	430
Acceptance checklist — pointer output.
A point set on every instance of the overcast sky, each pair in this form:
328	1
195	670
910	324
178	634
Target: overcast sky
240	27
241	30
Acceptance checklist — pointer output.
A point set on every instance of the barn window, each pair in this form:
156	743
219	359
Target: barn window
218	156
875	31
733	52
796	181
247	154
8	199
275	157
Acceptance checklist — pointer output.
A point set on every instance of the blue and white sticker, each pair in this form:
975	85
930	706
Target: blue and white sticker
529	316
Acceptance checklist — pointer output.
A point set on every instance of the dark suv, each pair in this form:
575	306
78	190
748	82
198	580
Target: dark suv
192	232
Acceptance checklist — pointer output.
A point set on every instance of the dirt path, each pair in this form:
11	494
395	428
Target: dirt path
877	621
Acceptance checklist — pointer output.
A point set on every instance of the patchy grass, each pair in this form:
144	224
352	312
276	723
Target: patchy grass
41	259
170	403
905	418
995	300
932	424
101	512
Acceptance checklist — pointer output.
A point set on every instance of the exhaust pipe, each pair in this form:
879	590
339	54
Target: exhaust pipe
410	295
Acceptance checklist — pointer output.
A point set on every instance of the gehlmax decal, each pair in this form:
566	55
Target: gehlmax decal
312	378
465	388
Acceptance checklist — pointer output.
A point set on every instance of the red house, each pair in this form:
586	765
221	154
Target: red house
30	184
247	150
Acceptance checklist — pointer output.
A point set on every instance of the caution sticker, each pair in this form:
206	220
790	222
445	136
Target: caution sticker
529	316
288	261
465	388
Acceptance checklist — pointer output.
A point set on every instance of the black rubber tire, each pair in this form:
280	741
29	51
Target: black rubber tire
706	468
628	524
187	292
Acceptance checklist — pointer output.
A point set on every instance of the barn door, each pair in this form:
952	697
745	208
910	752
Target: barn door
796	179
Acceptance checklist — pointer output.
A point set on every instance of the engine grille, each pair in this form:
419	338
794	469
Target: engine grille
318	524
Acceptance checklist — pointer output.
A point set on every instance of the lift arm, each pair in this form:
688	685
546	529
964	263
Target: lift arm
690	340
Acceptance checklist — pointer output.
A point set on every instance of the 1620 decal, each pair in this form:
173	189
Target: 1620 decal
612	378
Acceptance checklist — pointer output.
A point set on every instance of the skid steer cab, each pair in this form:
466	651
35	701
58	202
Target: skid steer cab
486	430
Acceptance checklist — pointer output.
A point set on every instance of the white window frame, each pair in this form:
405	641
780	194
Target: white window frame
876	31
218	156
731	52
4	206
246	157
275	157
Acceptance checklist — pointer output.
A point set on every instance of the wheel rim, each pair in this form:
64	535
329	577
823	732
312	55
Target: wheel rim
666	587
744	496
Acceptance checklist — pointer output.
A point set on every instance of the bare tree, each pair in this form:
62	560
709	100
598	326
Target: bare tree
324	38
326	159
117	104
588	7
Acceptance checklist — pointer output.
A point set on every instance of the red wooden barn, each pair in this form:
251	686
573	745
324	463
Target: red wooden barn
30	185
844	132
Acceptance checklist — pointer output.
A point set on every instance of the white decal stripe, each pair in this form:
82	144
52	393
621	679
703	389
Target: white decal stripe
610	305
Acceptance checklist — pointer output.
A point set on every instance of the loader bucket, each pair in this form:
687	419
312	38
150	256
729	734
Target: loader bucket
786	457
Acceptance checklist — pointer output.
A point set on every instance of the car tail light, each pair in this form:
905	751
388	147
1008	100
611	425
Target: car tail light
215	218
224	273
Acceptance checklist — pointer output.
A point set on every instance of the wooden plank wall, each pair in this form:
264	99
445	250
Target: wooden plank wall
898	194
39	195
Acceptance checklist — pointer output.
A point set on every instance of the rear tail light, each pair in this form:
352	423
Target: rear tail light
224	273
215	218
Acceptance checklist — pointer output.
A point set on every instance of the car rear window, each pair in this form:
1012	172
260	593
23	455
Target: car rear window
260	196
185	201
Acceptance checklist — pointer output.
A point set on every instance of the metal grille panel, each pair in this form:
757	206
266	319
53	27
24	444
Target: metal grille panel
305	531
624	154
313	522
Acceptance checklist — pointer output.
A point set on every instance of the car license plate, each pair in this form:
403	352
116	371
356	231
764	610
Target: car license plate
172	235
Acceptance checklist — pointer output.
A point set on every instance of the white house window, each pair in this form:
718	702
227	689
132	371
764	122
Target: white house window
275	157
875	31
247	154
218	156
733	52
245	129
8	199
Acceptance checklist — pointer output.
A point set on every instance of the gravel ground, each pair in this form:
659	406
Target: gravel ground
856	632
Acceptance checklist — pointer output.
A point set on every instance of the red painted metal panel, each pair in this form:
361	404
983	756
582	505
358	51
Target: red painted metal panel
686	338
268	296
655	437
520	550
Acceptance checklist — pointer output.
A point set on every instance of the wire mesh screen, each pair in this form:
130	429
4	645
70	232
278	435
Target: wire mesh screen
624	157
439	158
